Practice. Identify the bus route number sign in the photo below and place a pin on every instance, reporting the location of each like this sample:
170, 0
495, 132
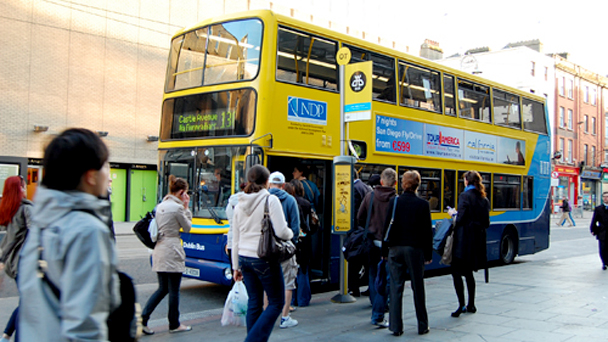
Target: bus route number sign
343, 56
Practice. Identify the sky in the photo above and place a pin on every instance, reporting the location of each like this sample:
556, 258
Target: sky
577, 27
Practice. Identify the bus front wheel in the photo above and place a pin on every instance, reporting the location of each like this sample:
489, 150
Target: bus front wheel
507, 247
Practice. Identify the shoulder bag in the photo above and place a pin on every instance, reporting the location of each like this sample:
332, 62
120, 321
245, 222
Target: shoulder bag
270, 247
357, 244
390, 225
314, 218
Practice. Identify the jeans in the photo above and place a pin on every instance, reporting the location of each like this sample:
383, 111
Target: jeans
567, 216
261, 276
13, 322
168, 283
303, 293
379, 302
400, 260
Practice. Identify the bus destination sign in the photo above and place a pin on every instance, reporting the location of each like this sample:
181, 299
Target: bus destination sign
199, 122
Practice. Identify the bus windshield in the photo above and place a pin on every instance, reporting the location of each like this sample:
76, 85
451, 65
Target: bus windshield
211, 172
219, 53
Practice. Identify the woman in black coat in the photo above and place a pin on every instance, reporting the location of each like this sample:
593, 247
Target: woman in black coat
469, 248
410, 247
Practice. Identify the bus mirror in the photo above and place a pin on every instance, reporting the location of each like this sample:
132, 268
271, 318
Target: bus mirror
357, 149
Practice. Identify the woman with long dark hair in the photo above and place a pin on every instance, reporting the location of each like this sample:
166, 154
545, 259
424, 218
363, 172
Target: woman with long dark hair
302, 294
15, 213
259, 275
169, 258
469, 246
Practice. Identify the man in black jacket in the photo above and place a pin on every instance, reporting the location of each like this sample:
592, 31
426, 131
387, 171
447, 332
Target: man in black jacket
599, 223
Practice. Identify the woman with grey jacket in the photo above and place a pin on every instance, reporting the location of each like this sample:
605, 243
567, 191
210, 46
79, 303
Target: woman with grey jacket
169, 258
69, 223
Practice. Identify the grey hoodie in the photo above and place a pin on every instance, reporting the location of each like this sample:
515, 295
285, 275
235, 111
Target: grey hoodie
82, 262
247, 224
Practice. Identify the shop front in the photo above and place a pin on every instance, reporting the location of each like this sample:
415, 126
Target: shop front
567, 186
591, 187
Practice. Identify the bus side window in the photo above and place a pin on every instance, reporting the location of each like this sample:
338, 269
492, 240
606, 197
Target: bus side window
383, 73
449, 181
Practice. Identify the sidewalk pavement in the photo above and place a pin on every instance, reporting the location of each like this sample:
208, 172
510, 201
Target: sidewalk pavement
535, 299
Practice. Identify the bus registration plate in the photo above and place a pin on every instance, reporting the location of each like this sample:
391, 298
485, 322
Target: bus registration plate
193, 272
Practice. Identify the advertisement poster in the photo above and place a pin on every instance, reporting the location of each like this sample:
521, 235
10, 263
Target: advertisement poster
342, 205
443, 142
358, 95
480, 147
398, 135
511, 151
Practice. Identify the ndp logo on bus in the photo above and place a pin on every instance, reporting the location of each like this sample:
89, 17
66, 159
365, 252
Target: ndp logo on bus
306, 111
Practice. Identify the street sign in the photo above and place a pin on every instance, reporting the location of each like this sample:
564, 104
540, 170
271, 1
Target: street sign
358, 92
554, 175
343, 56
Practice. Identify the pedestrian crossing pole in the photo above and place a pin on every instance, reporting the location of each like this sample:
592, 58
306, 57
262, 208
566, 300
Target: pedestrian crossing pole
342, 194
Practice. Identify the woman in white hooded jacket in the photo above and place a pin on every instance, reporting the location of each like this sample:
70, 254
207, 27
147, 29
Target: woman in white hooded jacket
259, 275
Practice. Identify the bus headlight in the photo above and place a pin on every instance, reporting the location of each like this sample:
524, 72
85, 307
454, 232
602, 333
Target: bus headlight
228, 273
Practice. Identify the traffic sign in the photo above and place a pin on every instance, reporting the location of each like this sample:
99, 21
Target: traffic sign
554, 175
343, 56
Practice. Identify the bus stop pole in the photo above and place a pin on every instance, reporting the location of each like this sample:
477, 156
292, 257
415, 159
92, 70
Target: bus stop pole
343, 296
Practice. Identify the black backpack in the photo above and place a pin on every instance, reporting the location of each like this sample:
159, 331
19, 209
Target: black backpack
358, 243
141, 230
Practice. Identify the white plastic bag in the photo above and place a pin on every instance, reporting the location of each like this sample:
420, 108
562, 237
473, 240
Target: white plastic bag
153, 230
235, 308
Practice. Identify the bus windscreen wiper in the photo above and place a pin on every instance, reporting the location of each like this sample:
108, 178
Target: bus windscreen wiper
214, 215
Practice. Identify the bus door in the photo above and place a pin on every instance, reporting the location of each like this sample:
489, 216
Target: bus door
324, 263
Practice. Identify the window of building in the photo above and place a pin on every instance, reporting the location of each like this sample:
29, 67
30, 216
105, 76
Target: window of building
528, 192
586, 95
474, 101
533, 68
506, 109
570, 89
586, 123
562, 85
586, 154
569, 159
306, 59
561, 149
570, 118
561, 116
533, 114
383, 73
593, 129
594, 96
448, 95
506, 192
546, 73
606, 130
419, 87
449, 184
593, 157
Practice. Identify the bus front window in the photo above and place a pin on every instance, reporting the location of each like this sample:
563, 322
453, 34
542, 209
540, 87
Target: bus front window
211, 172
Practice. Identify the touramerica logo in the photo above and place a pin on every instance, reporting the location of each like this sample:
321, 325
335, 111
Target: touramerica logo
442, 140
358, 81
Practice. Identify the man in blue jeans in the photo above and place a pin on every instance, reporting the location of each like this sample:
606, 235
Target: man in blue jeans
379, 205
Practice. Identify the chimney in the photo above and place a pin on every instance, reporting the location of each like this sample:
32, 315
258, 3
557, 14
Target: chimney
430, 50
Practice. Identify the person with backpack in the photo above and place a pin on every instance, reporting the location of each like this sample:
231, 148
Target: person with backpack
15, 217
302, 293
69, 243
566, 214
469, 244
379, 200
169, 257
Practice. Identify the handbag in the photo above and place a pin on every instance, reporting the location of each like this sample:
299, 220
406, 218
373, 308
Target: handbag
270, 247
357, 244
446, 257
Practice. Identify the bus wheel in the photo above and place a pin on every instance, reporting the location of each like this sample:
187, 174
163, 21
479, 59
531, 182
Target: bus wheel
507, 247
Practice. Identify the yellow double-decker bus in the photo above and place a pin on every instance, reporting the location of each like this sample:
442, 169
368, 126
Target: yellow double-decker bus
258, 87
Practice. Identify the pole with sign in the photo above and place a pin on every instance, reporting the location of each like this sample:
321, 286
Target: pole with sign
342, 177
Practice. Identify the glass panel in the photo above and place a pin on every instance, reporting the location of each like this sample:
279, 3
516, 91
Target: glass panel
506, 109
474, 101
383, 73
527, 192
419, 87
506, 191
316, 59
225, 113
449, 197
430, 185
534, 116
448, 95
209, 172
485, 180
221, 53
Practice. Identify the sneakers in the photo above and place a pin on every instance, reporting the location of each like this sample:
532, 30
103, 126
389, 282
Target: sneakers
181, 328
381, 324
288, 322
147, 331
